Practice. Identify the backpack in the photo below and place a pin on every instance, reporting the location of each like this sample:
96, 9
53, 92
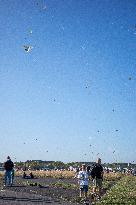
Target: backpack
97, 172
8, 165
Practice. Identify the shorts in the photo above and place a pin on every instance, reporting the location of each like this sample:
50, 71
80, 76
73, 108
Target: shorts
97, 183
84, 188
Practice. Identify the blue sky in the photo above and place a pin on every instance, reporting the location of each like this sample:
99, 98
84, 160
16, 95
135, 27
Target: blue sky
73, 96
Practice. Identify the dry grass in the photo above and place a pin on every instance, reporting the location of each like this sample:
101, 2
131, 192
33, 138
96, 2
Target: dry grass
52, 173
112, 176
66, 174
1, 174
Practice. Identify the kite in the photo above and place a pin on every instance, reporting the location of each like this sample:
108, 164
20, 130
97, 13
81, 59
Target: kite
28, 48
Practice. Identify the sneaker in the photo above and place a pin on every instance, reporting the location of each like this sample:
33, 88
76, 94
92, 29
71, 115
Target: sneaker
86, 202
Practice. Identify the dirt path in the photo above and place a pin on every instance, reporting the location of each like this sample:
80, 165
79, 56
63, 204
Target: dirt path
20, 194
22, 198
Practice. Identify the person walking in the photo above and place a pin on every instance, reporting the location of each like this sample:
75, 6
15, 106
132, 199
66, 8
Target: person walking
97, 176
9, 172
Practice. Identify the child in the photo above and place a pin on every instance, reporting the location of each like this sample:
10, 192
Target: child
83, 181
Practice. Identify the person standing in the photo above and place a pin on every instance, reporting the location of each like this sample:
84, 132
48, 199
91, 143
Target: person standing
97, 176
9, 172
83, 181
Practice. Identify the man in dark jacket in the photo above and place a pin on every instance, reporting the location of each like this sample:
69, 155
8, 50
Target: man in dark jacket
97, 176
8, 166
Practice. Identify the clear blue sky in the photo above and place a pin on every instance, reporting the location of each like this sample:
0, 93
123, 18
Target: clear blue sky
73, 97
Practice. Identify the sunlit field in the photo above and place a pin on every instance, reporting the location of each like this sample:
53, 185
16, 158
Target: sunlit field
65, 174
117, 188
124, 192
51, 173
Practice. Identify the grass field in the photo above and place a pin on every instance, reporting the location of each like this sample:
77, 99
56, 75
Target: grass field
72, 185
124, 192
50, 173
62, 185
